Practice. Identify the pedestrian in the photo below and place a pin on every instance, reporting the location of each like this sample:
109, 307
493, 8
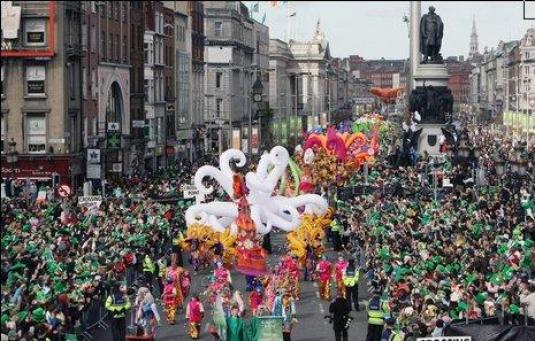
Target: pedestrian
337, 238
339, 315
117, 304
389, 333
377, 310
339, 269
148, 269
351, 281
235, 325
194, 315
324, 269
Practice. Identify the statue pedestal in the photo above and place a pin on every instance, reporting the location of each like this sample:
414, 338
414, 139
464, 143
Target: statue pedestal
430, 74
429, 138
432, 98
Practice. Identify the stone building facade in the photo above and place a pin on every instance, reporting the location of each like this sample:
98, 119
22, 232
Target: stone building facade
41, 93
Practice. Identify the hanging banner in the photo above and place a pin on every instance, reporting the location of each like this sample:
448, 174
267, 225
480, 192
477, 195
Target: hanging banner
445, 338
269, 328
255, 143
236, 138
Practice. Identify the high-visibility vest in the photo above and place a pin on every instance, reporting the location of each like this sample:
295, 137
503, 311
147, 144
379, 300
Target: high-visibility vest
335, 227
117, 304
351, 277
377, 311
148, 265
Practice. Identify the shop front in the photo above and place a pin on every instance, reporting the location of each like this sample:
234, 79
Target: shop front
44, 170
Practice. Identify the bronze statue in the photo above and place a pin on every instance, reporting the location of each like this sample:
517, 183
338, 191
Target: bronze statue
431, 32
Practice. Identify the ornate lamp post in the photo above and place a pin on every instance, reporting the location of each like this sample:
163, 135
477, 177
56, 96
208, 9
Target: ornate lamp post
258, 90
12, 158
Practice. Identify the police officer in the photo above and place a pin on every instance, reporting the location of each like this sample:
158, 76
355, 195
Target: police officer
339, 314
148, 269
117, 304
377, 310
351, 283
390, 333
337, 239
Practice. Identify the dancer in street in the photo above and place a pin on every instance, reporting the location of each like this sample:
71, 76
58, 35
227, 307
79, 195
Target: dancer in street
324, 270
194, 316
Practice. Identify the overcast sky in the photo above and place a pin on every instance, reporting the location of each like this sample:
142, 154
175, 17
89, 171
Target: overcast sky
375, 29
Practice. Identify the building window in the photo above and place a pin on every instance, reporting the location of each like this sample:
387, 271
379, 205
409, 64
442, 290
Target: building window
110, 47
84, 36
117, 47
124, 12
527, 70
102, 11
34, 32
84, 82
218, 28
125, 53
110, 9
218, 76
2, 84
93, 6
35, 80
4, 133
218, 107
72, 81
103, 46
36, 133
93, 41
94, 88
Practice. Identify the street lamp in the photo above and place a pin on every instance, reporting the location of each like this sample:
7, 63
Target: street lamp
258, 90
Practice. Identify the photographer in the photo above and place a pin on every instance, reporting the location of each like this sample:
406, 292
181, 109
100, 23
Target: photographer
339, 310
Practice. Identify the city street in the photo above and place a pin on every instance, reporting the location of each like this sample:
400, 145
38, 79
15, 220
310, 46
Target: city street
135, 132
310, 309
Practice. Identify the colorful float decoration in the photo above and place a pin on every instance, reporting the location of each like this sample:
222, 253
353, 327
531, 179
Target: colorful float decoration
255, 208
335, 156
387, 95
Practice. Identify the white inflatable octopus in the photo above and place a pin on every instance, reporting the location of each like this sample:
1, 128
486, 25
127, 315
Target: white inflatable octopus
267, 209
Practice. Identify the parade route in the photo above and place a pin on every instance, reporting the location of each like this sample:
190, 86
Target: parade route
312, 325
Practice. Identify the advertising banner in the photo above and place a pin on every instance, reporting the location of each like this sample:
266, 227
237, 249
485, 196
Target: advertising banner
255, 142
236, 138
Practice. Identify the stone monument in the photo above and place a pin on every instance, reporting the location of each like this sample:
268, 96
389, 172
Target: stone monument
430, 94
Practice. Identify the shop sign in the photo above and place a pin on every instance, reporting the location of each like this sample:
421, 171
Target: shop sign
93, 171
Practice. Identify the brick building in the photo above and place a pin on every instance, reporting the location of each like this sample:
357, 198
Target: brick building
41, 93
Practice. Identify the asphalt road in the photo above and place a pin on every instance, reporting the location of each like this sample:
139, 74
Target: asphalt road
310, 309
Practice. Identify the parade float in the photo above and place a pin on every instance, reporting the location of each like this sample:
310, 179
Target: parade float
329, 158
254, 209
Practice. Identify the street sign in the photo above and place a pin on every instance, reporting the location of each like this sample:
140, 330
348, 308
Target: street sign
64, 191
113, 140
138, 124
93, 155
190, 191
117, 167
445, 338
113, 126
93, 171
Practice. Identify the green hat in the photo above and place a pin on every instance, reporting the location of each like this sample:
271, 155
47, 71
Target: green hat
4, 319
38, 315
22, 315
514, 309
481, 297
462, 306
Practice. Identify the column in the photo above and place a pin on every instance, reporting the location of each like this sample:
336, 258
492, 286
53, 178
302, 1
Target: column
416, 8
